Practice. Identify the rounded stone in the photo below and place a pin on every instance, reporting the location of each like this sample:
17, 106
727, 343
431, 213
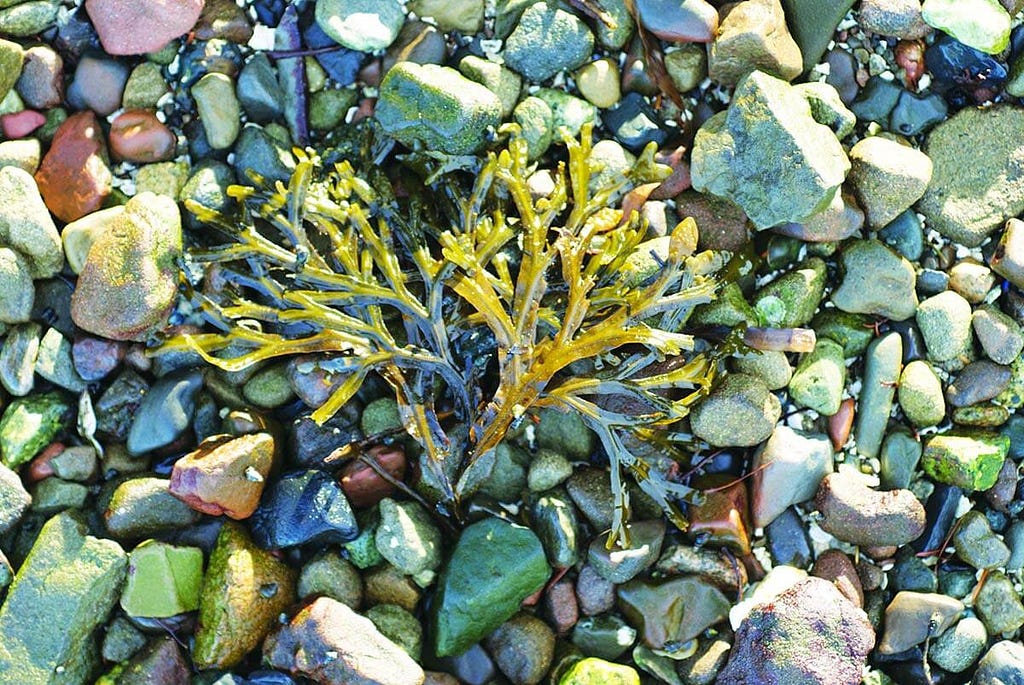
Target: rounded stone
362, 25
920, 394
739, 412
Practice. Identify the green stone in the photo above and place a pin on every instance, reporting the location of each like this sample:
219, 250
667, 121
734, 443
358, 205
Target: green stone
53, 494
407, 537
565, 432
28, 18
812, 23
882, 366
670, 612
329, 575
60, 596
730, 308
269, 387
977, 545
798, 291
971, 462
771, 366
945, 324
162, 178
547, 40
362, 551
853, 331
12, 56
536, 125
436, 107
548, 469
599, 672
899, 458
140, 507
493, 568
998, 604
980, 416
827, 108
328, 108
244, 591
876, 281
399, 626
218, 108
819, 378
163, 580
920, 394
501, 81
553, 518
739, 412
1013, 397
606, 636
29, 424
508, 475
980, 24
145, 87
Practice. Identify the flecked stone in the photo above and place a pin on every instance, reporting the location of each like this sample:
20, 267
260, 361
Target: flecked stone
898, 18
888, 177
73, 177
808, 633
815, 163
1008, 258
129, 282
1000, 336
619, 565
28, 18
18, 358
331, 575
14, 499
920, 394
791, 300
244, 591
554, 520
399, 626
977, 545
408, 538
1001, 665
687, 66
739, 412
134, 27
362, 25
771, 366
25, 224
24, 154
753, 35
945, 324
855, 513
143, 506
960, 646
787, 468
29, 424
461, 111
60, 596
145, 87
594, 671
912, 617
977, 382
16, 292
819, 378
98, 84
224, 475
546, 41
12, 58
967, 207
998, 604
877, 281
41, 84
971, 280
219, 109
523, 649
971, 462
828, 108
466, 16
500, 80
494, 566
331, 643
882, 367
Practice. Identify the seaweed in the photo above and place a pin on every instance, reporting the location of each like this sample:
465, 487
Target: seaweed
476, 302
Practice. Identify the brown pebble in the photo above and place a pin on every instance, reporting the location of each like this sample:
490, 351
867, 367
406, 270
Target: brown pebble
361, 483
834, 566
560, 606
73, 177
860, 515
40, 467
138, 136
840, 423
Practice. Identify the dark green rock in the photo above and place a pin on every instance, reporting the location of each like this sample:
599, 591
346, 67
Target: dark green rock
876, 100
798, 294
914, 114
606, 636
998, 604
977, 545
144, 506
852, 331
493, 568
812, 23
61, 594
619, 565
553, 518
669, 613
546, 41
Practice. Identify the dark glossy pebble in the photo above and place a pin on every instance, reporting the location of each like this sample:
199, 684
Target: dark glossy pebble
913, 343
911, 573
312, 444
75, 34
904, 235
915, 114
303, 507
210, 56
341, 64
788, 543
876, 100
997, 520
932, 282
940, 512
634, 123
953, 64
474, 666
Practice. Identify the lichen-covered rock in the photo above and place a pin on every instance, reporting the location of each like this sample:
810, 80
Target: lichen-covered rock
129, 282
765, 141
808, 634
739, 412
436, 107
26, 225
61, 594
970, 462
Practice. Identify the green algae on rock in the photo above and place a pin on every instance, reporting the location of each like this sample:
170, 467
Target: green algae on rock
495, 566
29, 424
970, 461
60, 596
163, 580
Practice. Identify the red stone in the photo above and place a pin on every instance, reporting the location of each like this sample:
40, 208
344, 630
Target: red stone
224, 475
723, 514
837, 568
363, 486
73, 177
20, 124
134, 27
138, 136
94, 357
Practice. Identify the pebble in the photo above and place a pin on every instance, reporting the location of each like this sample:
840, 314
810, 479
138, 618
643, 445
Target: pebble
363, 486
523, 649
915, 114
739, 412
971, 280
945, 324
787, 468
791, 300
905, 235
144, 506
73, 177
635, 124
618, 565
1000, 336
958, 648
134, 27
224, 475
594, 594
855, 513
1008, 258
560, 606
607, 636
669, 613
163, 580
466, 16
98, 84
41, 83
165, 412
920, 394
836, 567
310, 645
408, 538
998, 604
593, 671
882, 368
331, 575
876, 281
971, 462
16, 293
553, 518
546, 41
598, 82
218, 108
501, 81
54, 362
977, 545
1002, 664
18, 358
788, 542
14, 499
688, 21
771, 366
819, 378
244, 591
24, 154
361, 25
897, 18
981, 24
29, 424
838, 639
687, 66
27, 228
72, 579
775, 123
940, 512
888, 177
753, 35
913, 617
303, 507
969, 207
399, 626
12, 60
460, 111
28, 18
138, 136
979, 381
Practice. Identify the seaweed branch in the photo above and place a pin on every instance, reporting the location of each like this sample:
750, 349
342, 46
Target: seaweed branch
544, 290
